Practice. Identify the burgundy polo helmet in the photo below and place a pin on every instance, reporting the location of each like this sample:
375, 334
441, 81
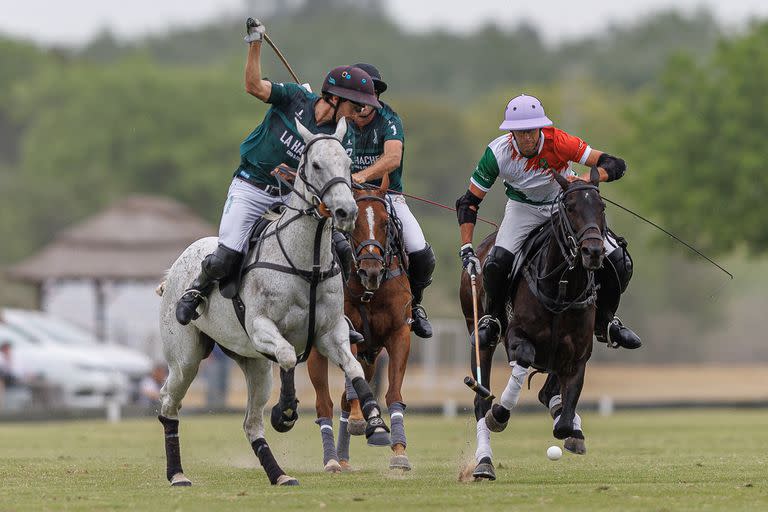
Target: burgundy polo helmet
351, 83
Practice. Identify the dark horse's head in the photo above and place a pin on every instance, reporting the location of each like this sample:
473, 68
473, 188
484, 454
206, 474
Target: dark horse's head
582, 219
370, 236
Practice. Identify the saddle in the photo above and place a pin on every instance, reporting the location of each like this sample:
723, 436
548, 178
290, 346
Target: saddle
229, 286
535, 241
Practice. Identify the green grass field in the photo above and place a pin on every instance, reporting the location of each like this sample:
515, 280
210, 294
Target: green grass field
691, 460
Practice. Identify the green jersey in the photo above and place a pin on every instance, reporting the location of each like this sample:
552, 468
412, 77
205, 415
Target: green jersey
369, 144
276, 140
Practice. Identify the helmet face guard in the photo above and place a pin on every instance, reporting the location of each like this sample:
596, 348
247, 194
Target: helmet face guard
524, 113
353, 84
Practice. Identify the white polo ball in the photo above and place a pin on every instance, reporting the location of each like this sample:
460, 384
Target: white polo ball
554, 453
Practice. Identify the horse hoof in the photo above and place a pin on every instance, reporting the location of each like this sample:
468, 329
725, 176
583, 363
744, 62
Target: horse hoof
332, 466
484, 470
286, 480
493, 424
346, 467
356, 427
283, 420
380, 437
400, 462
575, 445
179, 480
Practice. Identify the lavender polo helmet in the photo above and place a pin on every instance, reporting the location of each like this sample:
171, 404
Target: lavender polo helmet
351, 83
524, 113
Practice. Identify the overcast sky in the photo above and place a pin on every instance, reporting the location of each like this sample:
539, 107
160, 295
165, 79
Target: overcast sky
76, 21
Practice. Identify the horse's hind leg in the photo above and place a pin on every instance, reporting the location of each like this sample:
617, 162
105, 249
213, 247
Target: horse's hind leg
184, 348
317, 367
258, 379
335, 346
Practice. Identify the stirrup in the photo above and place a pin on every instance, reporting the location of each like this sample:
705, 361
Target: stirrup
616, 321
486, 322
419, 311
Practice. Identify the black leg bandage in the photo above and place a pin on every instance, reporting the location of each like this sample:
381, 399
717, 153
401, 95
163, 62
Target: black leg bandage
172, 447
267, 460
364, 394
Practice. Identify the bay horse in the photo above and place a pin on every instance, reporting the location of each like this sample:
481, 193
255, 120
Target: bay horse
293, 295
552, 318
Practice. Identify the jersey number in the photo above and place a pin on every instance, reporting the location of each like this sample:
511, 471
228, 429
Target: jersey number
394, 129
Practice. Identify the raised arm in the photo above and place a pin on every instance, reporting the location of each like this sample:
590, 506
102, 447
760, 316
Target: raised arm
254, 84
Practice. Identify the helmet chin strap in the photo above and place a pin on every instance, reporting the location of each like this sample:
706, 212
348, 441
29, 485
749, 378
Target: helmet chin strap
535, 146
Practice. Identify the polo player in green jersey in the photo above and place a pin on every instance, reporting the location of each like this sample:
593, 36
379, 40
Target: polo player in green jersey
275, 142
378, 152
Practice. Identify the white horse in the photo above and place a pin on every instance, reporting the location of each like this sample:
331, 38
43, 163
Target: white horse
277, 300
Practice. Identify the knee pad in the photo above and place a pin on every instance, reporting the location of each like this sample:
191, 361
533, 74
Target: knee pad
421, 265
222, 262
498, 265
622, 263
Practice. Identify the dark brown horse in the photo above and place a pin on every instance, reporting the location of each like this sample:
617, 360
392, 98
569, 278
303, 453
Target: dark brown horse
552, 318
377, 301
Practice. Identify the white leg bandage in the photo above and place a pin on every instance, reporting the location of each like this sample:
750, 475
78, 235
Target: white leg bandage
483, 441
555, 401
576, 421
511, 393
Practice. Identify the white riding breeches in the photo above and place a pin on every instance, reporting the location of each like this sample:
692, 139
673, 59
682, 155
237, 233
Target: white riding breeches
245, 204
522, 218
413, 236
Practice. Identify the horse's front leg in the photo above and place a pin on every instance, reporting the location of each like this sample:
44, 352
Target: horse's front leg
335, 346
398, 348
568, 424
267, 339
285, 412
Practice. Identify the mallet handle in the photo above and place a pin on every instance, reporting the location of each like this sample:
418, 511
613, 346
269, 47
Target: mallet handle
280, 56
473, 279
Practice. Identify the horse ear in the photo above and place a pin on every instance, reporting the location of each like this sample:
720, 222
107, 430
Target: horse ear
594, 176
560, 179
305, 134
341, 129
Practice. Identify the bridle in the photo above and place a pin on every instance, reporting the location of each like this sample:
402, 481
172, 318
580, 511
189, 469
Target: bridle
567, 238
316, 200
568, 241
383, 253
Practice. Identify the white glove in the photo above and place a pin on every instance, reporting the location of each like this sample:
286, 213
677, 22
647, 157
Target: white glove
255, 30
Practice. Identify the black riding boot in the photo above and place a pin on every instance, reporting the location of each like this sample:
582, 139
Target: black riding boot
421, 264
344, 251
496, 270
345, 254
214, 267
613, 279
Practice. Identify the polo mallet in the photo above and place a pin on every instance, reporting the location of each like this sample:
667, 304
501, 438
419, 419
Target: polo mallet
250, 22
475, 385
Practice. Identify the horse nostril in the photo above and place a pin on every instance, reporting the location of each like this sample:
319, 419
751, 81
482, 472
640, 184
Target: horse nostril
341, 213
361, 273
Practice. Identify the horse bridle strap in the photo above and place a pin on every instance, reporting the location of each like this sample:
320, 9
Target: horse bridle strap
313, 277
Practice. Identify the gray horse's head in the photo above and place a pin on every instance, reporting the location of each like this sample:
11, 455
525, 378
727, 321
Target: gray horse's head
325, 160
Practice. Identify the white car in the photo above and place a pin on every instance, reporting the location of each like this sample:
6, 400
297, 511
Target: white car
119, 360
72, 379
